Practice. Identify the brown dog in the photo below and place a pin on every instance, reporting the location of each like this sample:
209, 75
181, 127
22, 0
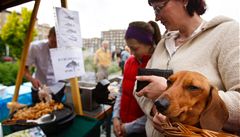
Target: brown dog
190, 99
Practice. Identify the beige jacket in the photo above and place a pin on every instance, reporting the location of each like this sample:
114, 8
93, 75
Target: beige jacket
213, 52
102, 58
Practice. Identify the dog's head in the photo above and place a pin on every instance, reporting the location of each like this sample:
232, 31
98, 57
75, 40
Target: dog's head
190, 99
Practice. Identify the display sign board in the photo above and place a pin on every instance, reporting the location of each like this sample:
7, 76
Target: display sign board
67, 58
67, 28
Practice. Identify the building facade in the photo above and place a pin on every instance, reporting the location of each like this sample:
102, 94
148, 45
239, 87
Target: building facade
3, 17
91, 44
115, 37
42, 30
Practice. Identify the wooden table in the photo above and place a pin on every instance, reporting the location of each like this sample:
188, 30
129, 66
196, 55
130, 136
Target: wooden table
105, 110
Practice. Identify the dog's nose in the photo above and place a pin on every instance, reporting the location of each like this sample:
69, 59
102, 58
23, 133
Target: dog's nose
162, 104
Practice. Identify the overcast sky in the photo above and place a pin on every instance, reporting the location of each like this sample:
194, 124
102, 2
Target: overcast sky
102, 15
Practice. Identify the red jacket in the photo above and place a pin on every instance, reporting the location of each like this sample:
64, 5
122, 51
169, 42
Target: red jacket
129, 108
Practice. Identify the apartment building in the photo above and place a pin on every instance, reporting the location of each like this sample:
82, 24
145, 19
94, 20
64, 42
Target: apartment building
115, 37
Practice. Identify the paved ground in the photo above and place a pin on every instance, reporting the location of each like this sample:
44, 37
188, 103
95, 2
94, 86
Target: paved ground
103, 133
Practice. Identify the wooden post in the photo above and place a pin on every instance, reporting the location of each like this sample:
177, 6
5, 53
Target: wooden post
74, 84
25, 50
64, 3
76, 96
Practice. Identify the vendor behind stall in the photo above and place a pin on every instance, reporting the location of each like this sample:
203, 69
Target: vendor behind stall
39, 57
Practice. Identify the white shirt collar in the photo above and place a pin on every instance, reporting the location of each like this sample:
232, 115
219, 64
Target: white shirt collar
170, 37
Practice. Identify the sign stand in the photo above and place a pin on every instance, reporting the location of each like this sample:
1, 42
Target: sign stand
74, 84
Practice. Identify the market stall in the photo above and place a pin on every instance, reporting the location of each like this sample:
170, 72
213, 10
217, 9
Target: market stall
74, 85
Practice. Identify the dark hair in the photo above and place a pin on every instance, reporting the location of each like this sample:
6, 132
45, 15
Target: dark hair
151, 27
156, 33
198, 6
51, 31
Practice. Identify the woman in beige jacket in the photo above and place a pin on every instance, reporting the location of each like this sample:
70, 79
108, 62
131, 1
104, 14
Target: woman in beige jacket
211, 48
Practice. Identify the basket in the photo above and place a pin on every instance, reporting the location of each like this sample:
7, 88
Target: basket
177, 129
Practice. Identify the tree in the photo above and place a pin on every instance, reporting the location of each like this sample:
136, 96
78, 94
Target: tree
14, 31
2, 48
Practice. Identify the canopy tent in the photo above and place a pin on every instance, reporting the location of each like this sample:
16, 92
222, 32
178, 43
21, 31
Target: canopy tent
11, 3
73, 81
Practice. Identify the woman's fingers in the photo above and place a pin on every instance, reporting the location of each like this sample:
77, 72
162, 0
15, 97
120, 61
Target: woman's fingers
144, 78
117, 127
154, 89
158, 120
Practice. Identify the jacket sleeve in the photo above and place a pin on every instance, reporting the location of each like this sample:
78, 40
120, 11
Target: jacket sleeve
31, 56
229, 69
146, 104
116, 108
136, 126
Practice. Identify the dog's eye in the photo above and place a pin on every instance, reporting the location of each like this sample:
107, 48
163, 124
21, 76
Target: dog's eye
169, 83
193, 88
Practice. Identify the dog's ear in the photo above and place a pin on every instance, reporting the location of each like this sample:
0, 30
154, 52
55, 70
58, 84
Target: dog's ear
215, 114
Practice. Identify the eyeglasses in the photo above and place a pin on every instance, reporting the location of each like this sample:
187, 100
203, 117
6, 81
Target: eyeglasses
160, 6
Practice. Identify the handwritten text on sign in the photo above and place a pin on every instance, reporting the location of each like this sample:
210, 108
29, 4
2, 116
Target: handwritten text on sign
67, 66
68, 28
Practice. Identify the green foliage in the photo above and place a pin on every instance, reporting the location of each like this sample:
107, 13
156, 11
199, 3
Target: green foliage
89, 66
114, 68
8, 73
2, 48
14, 31
84, 49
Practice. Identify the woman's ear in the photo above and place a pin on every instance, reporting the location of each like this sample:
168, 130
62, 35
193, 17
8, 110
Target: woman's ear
185, 3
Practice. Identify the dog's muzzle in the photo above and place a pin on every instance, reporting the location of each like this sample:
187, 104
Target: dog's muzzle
162, 104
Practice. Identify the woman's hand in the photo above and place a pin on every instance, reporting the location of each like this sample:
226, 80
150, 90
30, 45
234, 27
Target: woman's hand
154, 89
158, 119
123, 130
117, 127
